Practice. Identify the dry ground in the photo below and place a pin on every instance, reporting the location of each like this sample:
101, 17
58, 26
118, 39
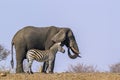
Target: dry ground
62, 76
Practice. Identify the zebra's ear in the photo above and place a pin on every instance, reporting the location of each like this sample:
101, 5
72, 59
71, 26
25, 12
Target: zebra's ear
60, 36
59, 43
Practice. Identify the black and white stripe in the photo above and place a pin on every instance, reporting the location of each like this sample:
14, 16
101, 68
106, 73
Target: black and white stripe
43, 55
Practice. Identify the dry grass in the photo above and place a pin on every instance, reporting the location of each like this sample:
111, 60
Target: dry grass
63, 76
115, 68
82, 68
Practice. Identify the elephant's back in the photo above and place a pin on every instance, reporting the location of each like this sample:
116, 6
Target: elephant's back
38, 30
32, 32
35, 27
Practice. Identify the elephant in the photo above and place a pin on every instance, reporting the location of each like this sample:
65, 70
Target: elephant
31, 37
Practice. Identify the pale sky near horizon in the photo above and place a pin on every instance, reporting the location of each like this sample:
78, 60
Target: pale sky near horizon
95, 24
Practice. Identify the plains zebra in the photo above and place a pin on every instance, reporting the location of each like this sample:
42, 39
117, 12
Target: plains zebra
43, 55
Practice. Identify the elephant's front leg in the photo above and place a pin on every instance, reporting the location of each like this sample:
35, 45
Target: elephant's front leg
52, 65
45, 67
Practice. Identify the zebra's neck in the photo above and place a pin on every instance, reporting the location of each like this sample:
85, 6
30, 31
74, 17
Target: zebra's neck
54, 50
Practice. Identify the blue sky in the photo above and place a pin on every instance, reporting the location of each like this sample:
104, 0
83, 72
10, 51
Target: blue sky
95, 24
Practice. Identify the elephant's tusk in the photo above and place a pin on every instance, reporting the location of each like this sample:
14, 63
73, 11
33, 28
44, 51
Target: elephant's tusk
75, 51
79, 56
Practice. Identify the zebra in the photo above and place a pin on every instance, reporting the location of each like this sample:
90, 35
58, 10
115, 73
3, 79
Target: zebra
43, 55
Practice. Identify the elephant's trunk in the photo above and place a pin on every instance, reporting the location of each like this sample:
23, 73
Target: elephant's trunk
74, 51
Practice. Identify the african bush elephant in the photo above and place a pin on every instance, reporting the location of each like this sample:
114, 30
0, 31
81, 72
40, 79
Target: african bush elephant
41, 38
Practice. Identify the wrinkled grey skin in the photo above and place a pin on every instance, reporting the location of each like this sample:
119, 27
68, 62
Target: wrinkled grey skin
42, 38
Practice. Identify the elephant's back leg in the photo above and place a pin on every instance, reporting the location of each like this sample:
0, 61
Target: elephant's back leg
20, 56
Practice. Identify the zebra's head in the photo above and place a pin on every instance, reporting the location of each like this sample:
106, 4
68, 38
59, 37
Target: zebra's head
58, 47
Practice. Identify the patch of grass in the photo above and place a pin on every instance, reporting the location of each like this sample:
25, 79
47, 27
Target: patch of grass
63, 76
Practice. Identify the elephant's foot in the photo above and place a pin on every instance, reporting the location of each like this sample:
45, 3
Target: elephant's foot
31, 72
43, 71
18, 70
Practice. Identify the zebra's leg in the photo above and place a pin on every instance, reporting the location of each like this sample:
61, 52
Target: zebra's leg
45, 67
29, 66
49, 66
52, 65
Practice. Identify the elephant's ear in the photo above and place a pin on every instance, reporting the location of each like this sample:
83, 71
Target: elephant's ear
60, 36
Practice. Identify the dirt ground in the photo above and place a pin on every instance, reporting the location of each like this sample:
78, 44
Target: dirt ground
62, 76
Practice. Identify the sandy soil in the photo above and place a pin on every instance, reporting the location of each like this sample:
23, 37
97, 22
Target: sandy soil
62, 76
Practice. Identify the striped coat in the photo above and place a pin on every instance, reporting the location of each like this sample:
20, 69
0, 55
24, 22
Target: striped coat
43, 55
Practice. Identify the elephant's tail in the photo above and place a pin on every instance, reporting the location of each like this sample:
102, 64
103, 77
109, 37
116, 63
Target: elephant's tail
12, 62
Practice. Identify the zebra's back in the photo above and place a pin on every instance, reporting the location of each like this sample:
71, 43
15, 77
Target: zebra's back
38, 55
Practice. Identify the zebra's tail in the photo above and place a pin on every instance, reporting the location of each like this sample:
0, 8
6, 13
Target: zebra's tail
12, 62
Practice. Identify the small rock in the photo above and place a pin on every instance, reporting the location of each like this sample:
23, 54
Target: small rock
3, 74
